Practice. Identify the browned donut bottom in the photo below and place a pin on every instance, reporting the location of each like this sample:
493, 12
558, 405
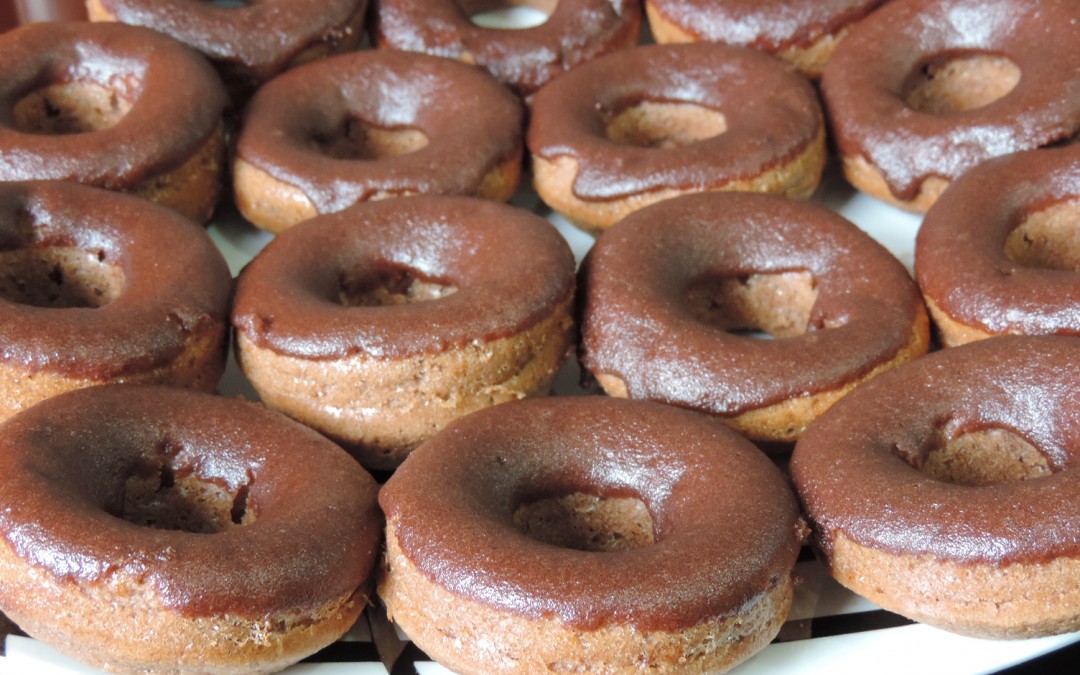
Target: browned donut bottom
152, 529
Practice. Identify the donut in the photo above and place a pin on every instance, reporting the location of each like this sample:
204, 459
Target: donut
380, 324
153, 529
802, 32
371, 125
1000, 251
113, 106
576, 534
249, 42
100, 287
924, 90
946, 490
654, 122
665, 310
522, 59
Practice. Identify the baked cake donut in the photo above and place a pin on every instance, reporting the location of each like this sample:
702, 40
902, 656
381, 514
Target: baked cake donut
113, 106
1000, 251
588, 534
654, 122
380, 324
924, 90
371, 125
664, 309
802, 32
522, 59
100, 287
157, 530
250, 41
947, 491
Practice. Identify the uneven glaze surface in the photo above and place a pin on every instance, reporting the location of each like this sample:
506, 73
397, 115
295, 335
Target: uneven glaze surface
509, 266
525, 59
260, 38
471, 123
637, 325
960, 254
772, 116
864, 85
176, 102
63, 467
849, 471
771, 25
725, 522
176, 283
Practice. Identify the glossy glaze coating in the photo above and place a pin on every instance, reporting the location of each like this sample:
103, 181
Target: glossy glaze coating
524, 59
724, 520
852, 480
510, 268
638, 326
960, 253
472, 125
258, 39
864, 85
175, 282
177, 102
771, 113
63, 467
770, 25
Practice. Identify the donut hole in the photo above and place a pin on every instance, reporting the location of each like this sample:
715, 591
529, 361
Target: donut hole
508, 14
390, 285
773, 305
585, 522
1048, 239
983, 457
951, 83
358, 139
69, 108
58, 277
665, 125
168, 499
230, 4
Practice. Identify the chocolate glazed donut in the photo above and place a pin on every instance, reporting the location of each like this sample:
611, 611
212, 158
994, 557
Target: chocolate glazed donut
570, 534
924, 90
113, 106
667, 292
1000, 252
152, 529
948, 489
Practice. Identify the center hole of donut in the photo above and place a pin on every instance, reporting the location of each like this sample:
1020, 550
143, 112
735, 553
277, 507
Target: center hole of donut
358, 139
508, 14
759, 305
167, 500
586, 522
58, 277
390, 285
229, 4
949, 83
659, 124
69, 108
984, 457
1048, 239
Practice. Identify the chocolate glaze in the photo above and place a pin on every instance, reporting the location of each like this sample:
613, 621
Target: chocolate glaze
472, 124
726, 525
576, 31
177, 102
863, 85
63, 467
960, 259
769, 25
510, 267
772, 116
176, 283
636, 324
257, 40
852, 480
